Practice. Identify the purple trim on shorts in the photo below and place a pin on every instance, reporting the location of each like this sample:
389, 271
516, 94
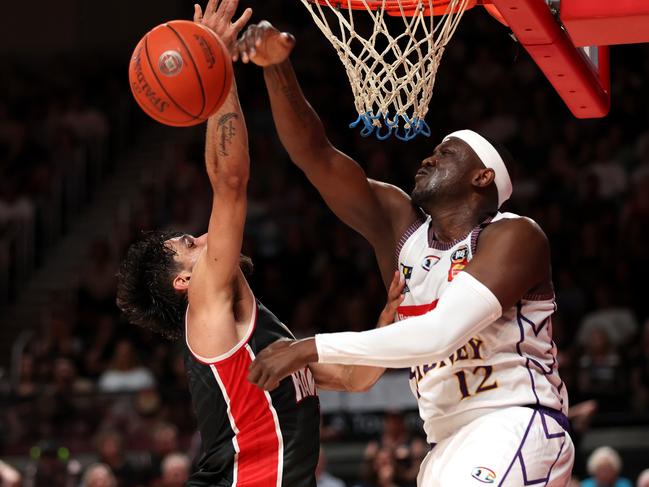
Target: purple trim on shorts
518, 451
406, 235
563, 443
560, 418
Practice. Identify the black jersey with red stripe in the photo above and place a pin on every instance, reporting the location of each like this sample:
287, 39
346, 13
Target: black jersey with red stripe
250, 437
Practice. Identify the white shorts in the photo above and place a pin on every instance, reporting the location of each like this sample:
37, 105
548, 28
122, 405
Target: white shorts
514, 447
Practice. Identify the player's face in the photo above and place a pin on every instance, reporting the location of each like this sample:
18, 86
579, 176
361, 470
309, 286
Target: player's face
188, 248
444, 172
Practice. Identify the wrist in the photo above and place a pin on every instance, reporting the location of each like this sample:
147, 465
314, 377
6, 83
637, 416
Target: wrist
307, 349
278, 64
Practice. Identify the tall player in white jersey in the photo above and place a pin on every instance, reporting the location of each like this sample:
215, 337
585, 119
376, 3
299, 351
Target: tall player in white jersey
475, 325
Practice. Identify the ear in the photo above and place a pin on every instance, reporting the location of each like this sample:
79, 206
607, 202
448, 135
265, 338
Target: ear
181, 281
483, 177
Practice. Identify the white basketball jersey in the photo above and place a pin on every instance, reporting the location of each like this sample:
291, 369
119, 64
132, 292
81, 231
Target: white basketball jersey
512, 362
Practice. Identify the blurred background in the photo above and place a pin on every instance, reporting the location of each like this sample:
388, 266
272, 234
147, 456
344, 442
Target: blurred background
87, 398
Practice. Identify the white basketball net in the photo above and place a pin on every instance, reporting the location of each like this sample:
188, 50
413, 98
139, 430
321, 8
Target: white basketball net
392, 74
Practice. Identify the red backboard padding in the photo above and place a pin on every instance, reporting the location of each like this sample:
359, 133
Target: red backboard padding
582, 87
602, 23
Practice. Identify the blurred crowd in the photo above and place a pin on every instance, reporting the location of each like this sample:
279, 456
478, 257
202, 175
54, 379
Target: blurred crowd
97, 402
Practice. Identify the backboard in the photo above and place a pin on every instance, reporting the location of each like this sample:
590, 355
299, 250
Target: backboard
569, 40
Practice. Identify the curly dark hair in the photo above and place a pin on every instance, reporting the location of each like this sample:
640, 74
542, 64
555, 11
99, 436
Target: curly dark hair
145, 291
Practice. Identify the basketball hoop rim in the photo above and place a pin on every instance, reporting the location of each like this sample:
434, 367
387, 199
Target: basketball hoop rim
407, 8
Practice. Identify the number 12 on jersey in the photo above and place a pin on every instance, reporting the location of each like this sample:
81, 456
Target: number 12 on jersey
482, 371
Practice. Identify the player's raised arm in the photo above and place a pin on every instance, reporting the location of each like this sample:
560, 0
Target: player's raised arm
227, 163
378, 211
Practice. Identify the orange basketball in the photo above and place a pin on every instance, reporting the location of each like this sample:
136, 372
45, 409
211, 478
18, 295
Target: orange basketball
180, 73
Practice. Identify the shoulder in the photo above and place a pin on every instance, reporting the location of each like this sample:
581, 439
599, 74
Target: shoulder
515, 231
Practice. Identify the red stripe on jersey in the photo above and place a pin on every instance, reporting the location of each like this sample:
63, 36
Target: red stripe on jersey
416, 309
258, 462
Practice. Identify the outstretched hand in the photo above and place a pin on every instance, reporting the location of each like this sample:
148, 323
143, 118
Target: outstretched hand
218, 17
282, 358
263, 45
279, 360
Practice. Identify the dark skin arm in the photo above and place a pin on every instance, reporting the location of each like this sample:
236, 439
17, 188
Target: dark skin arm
512, 260
378, 211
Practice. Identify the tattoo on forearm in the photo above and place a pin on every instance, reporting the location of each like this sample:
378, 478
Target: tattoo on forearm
226, 132
280, 83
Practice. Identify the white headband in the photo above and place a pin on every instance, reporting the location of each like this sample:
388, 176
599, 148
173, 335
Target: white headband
490, 157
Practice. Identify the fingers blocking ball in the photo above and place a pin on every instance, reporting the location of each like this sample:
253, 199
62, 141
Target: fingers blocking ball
180, 73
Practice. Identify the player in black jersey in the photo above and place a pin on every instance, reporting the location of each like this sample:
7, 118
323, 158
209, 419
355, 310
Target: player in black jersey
195, 287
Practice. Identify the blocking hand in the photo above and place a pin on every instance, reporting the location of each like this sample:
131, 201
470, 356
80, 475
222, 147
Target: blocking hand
279, 360
218, 17
263, 45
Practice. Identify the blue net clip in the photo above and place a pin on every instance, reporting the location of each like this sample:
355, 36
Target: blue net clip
390, 126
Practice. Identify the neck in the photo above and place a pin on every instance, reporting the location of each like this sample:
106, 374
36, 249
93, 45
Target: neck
451, 222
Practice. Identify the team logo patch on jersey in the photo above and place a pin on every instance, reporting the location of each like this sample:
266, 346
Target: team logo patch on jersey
459, 260
429, 261
406, 270
484, 475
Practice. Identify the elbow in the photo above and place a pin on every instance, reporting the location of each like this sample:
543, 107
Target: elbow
313, 153
236, 182
233, 178
313, 144
360, 384
359, 387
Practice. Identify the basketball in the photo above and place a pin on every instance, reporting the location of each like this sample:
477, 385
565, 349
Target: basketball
180, 73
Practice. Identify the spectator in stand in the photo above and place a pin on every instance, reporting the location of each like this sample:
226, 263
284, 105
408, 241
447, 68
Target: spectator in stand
164, 442
98, 281
124, 373
48, 470
604, 467
65, 402
643, 479
322, 475
640, 372
379, 467
601, 374
403, 448
27, 387
9, 476
617, 320
395, 433
98, 475
175, 470
110, 451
